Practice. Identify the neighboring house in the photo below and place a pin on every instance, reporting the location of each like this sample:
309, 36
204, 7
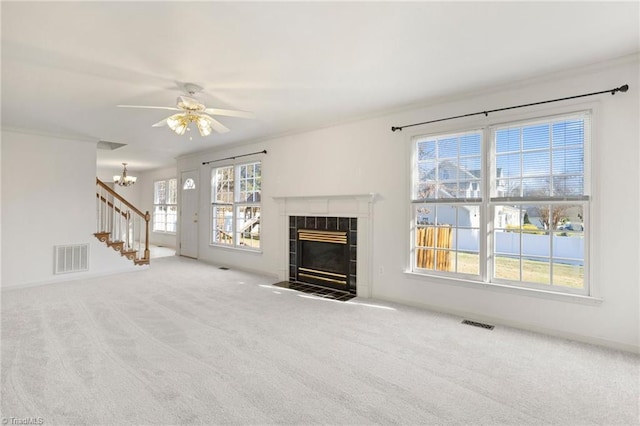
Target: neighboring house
451, 180
507, 217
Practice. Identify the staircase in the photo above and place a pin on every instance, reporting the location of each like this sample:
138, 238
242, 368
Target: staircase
121, 226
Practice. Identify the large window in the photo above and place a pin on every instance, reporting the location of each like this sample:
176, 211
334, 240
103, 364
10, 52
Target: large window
505, 204
235, 205
447, 196
165, 209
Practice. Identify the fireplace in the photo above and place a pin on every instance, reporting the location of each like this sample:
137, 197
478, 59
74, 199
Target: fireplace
344, 212
323, 251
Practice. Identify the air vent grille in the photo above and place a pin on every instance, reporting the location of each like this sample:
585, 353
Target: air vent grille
71, 258
478, 324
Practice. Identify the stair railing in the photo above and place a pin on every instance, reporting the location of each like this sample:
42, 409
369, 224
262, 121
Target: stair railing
121, 225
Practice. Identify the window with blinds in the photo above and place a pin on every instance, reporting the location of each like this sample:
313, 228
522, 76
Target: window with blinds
505, 204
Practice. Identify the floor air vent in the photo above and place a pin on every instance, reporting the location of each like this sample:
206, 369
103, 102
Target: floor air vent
71, 258
478, 324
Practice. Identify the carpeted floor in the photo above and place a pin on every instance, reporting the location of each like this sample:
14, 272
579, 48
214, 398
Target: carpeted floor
187, 343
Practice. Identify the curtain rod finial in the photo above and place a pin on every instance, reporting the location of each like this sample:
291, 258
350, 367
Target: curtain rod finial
622, 89
394, 128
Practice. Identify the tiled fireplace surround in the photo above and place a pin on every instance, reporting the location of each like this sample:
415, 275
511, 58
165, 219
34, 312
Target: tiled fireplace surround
349, 225
337, 207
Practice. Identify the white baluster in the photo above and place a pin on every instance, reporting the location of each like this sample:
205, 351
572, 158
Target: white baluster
140, 250
112, 218
129, 230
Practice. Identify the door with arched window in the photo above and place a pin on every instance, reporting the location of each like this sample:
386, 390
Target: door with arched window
189, 188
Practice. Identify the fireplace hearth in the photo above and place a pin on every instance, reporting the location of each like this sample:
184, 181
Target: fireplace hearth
322, 251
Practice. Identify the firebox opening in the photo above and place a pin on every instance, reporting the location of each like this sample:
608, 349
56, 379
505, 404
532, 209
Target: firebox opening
329, 257
323, 252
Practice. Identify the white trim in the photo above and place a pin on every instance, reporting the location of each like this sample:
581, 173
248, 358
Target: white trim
505, 287
519, 325
236, 248
238, 268
67, 279
359, 206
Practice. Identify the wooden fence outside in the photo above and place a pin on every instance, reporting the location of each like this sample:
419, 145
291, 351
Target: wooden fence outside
430, 238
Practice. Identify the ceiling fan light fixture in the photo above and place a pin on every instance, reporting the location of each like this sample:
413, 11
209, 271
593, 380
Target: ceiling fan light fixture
178, 123
191, 110
204, 125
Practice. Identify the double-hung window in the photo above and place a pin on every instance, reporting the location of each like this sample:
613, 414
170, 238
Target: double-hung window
447, 202
165, 207
507, 204
235, 205
539, 202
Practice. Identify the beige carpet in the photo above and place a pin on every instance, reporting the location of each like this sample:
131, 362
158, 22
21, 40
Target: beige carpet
186, 343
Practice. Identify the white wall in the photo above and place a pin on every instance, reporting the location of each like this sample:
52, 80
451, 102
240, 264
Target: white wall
145, 186
49, 199
365, 156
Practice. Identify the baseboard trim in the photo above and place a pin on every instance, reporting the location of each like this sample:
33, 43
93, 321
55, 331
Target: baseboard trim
610, 344
67, 278
240, 268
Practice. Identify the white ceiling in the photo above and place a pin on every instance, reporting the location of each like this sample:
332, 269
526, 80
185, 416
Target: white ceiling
297, 66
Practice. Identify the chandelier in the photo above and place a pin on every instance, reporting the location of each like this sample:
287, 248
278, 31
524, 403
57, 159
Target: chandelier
124, 180
179, 123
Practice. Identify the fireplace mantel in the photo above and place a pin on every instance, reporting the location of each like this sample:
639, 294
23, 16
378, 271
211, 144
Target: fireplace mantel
359, 206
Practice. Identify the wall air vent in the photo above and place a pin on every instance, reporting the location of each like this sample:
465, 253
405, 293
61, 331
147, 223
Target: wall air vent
478, 324
71, 258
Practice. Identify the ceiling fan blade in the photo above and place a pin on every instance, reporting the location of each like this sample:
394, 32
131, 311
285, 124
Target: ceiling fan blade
149, 107
229, 113
216, 125
161, 123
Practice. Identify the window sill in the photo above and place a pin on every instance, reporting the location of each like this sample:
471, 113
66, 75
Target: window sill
505, 288
232, 248
164, 232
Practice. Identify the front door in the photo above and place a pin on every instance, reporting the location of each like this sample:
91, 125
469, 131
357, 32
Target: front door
189, 213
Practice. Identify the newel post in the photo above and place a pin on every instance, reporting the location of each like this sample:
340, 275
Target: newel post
147, 218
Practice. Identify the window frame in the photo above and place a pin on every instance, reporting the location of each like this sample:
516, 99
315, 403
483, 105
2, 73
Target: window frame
444, 202
166, 205
488, 201
234, 206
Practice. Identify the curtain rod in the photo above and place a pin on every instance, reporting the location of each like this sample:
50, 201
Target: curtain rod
623, 89
264, 151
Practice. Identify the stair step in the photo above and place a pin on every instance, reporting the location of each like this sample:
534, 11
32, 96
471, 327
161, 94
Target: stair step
129, 254
116, 245
141, 261
102, 236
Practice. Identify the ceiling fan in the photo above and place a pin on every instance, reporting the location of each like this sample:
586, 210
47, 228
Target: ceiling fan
193, 111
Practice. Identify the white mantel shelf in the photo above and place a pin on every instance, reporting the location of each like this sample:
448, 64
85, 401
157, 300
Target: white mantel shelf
359, 206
